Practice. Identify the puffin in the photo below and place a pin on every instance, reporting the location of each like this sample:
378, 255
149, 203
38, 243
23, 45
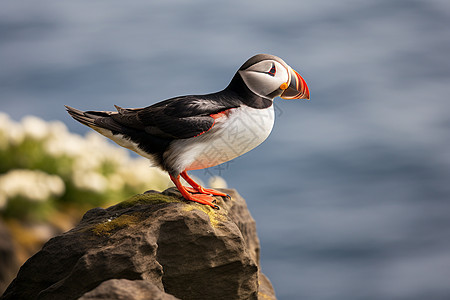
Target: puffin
200, 131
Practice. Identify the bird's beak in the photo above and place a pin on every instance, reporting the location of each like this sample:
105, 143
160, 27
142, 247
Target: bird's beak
297, 88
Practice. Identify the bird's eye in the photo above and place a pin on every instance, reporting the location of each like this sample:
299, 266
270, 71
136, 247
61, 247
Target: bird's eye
272, 71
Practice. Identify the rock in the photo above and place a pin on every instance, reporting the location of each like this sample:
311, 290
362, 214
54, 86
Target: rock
8, 259
150, 241
124, 289
265, 290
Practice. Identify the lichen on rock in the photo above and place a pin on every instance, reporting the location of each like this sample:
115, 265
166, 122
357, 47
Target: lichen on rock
215, 217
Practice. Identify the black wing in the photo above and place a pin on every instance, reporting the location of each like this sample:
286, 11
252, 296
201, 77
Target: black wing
176, 118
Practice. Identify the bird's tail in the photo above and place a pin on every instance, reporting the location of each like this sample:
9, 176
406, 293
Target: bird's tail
87, 118
80, 116
97, 120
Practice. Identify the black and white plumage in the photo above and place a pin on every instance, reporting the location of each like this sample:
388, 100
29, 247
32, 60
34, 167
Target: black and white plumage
200, 131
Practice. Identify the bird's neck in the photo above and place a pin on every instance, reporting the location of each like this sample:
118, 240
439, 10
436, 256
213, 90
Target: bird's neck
238, 87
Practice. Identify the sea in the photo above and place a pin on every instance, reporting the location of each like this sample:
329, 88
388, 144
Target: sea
350, 192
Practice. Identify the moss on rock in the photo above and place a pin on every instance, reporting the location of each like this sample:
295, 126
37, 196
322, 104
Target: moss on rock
150, 198
110, 225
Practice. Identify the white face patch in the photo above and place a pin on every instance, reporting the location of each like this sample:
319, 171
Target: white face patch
265, 77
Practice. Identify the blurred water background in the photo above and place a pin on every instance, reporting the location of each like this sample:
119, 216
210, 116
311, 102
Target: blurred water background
351, 192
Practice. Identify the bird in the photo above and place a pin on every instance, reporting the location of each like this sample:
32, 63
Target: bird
194, 132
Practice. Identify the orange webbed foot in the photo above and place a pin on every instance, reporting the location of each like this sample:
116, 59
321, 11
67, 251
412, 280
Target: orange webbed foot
202, 190
199, 198
197, 188
203, 199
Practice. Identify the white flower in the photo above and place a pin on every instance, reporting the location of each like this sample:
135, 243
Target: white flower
10, 132
31, 184
64, 145
16, 134
57, 128
35, 128
217, 182
137, 173
86, 162
115, 182
55, 185
90, 180
60, 142
4, 129
4, 120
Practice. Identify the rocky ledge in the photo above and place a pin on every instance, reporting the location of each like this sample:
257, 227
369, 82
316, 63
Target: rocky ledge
151, 246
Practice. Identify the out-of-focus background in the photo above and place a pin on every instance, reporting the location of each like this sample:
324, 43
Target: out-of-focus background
351, 192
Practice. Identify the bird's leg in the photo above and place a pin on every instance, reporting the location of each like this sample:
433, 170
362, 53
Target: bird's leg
197, 188
200, 198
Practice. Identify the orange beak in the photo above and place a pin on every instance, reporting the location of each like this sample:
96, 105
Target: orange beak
297, 88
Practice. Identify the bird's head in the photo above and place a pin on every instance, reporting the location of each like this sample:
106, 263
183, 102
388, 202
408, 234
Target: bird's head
269, 76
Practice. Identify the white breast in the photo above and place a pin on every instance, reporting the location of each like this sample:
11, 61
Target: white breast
233, 135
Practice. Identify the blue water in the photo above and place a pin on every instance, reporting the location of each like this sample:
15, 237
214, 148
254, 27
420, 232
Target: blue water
351, 192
